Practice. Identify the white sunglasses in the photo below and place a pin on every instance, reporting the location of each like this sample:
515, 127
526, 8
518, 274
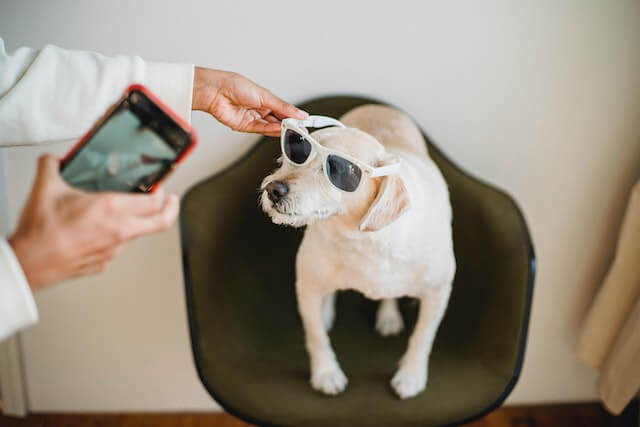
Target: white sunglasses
343, 171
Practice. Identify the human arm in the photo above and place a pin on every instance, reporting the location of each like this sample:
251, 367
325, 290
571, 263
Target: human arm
55, 94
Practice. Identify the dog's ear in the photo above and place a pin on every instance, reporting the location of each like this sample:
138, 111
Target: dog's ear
391, 201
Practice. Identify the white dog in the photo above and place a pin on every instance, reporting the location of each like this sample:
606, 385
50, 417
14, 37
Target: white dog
390, 238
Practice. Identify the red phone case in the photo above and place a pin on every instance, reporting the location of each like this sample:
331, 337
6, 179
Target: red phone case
164, 107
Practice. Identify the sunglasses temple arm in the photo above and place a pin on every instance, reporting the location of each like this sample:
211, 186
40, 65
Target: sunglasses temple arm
320, 121
385, 170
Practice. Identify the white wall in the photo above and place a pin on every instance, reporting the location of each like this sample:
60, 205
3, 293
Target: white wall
541, 98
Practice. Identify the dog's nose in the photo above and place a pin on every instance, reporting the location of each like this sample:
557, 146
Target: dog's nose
277, 190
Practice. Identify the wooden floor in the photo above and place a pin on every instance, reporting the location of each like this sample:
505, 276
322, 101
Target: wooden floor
589, 415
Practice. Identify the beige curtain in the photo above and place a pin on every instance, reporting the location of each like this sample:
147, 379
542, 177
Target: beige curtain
610, 337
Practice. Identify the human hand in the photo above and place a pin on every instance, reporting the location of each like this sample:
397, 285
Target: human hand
64, 232
240, 103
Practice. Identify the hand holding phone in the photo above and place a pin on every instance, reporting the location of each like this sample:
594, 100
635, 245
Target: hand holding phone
64, 233
133, 148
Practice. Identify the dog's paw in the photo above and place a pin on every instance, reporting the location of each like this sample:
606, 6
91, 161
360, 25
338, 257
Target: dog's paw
389, 322
409, 382
330, 382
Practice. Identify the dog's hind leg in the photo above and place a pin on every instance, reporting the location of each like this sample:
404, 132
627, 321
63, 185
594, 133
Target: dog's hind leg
411, 377
326, 375
329, 310
389, 320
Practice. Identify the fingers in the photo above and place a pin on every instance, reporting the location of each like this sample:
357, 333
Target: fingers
267, 115
126, 204
127, 228
136, 226
138, 214
94, 262
260, 121
263, 127
281, 108
99, 257
272, 119
88, 269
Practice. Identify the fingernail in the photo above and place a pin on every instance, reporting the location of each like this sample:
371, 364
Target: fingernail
303, 113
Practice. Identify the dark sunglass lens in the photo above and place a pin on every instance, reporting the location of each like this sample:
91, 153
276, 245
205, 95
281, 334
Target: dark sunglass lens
342, 173
296, 148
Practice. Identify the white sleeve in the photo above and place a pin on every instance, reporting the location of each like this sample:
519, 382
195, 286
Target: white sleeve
55, 94
17, 307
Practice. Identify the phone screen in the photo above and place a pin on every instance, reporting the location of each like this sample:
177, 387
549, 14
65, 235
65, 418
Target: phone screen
130, 151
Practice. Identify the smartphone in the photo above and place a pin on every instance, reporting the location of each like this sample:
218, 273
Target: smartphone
132, 148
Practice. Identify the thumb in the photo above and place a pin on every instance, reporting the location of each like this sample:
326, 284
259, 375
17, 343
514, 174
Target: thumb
43, 186
48, 165
48, 172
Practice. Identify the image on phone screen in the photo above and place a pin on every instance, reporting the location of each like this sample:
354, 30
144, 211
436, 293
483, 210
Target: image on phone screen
123, 153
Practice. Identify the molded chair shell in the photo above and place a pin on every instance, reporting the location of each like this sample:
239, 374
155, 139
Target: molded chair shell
247, 337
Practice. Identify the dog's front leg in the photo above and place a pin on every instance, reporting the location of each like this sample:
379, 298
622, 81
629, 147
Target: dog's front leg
326, 375
411, 377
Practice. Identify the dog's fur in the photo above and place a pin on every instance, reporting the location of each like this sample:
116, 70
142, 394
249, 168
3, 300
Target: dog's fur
389, 239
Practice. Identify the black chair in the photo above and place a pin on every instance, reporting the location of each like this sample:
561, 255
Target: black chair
247, 337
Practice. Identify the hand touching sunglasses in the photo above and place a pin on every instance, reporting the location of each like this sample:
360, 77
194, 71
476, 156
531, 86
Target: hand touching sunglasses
343, 171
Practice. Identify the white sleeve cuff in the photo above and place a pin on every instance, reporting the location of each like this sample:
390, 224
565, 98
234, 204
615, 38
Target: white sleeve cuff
17, 306
173, 84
